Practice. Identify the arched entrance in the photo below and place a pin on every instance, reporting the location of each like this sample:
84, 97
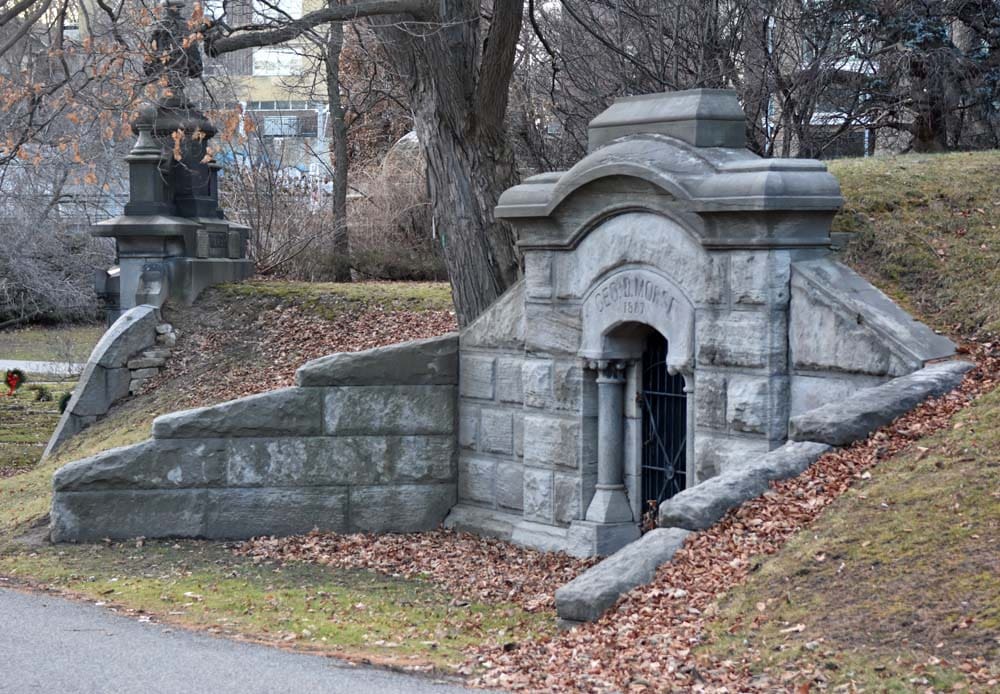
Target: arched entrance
662, 402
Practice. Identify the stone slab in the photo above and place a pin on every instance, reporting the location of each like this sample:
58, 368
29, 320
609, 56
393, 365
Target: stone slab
592, 593
702, 505
390, 410
433, 361
284, 412
340, 460
134, 331
168, 464
400, 508
853, 418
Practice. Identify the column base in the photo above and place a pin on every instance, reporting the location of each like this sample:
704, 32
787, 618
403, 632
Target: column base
600, 539
609, 505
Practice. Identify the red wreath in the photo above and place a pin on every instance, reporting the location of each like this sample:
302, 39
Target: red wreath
15, 377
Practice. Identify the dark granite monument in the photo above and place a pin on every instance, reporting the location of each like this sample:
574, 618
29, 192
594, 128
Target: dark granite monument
172, 241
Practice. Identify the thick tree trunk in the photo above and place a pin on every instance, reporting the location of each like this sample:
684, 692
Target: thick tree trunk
458, 90
458, 112
338, 135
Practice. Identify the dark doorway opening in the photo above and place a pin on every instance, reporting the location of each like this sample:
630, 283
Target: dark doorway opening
664, 426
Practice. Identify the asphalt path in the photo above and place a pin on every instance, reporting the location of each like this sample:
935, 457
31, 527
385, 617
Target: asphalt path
48, 644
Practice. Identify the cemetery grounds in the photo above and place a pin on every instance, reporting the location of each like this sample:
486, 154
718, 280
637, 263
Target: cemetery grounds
878, 571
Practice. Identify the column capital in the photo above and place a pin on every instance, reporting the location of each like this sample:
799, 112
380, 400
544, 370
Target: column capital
608, 370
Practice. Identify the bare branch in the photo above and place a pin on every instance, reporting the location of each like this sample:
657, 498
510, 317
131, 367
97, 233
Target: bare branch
253, 36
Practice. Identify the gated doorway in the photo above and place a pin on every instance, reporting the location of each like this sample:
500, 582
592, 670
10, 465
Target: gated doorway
664, 426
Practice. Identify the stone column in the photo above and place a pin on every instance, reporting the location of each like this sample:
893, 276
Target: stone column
610, 503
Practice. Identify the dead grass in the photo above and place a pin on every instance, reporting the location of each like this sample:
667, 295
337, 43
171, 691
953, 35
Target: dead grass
927, 234
62, 344
897, 582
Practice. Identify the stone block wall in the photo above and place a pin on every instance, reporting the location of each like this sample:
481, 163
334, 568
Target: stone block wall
364, 442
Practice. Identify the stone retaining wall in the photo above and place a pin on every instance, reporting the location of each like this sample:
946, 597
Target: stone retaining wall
117, 366
363, 442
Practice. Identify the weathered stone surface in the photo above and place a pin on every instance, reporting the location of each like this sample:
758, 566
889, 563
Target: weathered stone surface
390, 410
510, 485
509, 380
346, 460
133, 332
568, 498
168, 464
853, 418
538, 274
477, 479
716, 454
468, 426
476, 377
145, 363
702, 505
551, 329
710, 401
98, 388
536, 380
284, 412
487, 522
811, 391
400, 508
501, 326
95, 515
244, 513
841, 322
592, 593
433, 361
551, 441
760, 278
496, 432
538, 494
740, 338
746, 404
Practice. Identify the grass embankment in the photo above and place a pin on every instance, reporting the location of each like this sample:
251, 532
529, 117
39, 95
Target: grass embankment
253, 336
897, 586
927, 234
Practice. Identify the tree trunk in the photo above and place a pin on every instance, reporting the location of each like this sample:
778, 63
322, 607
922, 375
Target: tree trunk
469, 161
339, 163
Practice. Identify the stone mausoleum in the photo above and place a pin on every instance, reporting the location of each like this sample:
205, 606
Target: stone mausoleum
680, 302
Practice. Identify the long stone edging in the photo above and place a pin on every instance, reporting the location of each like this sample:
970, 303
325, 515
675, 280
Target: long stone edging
106, 377
853, 418
812, 434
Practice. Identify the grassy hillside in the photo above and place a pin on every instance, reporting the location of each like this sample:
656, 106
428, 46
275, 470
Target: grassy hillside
927, 233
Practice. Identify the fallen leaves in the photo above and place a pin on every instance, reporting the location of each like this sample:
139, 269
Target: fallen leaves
470, 567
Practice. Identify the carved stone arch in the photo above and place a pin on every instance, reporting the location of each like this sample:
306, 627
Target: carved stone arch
624, 300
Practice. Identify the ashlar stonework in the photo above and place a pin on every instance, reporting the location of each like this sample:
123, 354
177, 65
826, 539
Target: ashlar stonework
680, 313
680, 304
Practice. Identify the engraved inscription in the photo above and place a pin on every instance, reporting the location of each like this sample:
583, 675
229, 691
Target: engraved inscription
634, 295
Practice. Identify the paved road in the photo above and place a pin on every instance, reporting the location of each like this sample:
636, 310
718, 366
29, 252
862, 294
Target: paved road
53, 645
47, 368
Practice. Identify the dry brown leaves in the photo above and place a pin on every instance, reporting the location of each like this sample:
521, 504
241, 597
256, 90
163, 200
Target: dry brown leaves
470, 567
280, 340
646, 642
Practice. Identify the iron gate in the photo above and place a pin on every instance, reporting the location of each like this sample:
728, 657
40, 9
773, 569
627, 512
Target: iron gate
664, 426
